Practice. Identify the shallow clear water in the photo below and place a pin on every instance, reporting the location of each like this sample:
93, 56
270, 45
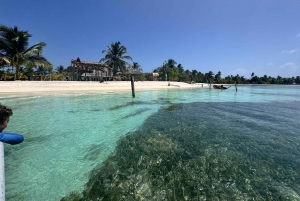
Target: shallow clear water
68, 135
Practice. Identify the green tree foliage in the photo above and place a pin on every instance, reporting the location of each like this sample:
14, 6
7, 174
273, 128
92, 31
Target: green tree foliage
177, 73
136, 65
29, 72
218, 77
60, 69
297, 80
14, 50
180, 72
114, 57
169, 70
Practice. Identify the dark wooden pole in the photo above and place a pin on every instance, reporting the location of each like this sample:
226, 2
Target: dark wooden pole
132, 86
235, 86
73, 68
77, 76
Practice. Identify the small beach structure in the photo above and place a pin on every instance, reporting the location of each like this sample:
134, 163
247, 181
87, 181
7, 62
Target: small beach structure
89, 71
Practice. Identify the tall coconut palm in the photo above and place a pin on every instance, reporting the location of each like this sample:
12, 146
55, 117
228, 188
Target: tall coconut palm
14, 49
194, 74
171, 63
210, 75
115, 57
180, 71
167, 66
218, 77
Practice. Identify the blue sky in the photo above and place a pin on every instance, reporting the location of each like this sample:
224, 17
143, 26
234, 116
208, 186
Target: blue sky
234, 36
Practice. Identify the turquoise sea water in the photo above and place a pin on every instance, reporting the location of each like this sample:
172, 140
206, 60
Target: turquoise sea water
250, 140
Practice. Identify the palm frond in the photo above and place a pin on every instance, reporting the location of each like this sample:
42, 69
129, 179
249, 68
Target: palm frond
127, 57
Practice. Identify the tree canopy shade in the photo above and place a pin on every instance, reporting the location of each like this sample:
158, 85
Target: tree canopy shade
14, 50
114, 58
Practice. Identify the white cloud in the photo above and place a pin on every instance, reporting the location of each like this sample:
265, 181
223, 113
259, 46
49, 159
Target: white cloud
298, 35
270, 64
289, 51
288, 69
288, 66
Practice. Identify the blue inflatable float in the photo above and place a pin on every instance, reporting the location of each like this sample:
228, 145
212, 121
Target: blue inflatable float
11, 138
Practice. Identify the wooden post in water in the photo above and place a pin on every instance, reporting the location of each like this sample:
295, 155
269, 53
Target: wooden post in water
235, 86
132, 85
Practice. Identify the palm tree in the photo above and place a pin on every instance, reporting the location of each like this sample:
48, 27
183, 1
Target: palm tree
136, 65
237, 78
180, 68
28, 71
210, 75
279, 79
168, 66
180, 72
189, 74
40, 70
60, 69
171, 63
253, 77
115, 57
14, 49
200, 77
218, 77
243, 79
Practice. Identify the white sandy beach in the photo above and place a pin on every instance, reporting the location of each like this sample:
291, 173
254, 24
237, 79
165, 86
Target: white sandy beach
87, 86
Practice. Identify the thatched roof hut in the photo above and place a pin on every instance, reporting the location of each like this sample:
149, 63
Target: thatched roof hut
78, 67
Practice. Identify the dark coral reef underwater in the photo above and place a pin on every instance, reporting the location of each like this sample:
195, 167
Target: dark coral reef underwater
200, 151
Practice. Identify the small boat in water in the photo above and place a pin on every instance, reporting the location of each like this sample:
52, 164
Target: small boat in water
220, 87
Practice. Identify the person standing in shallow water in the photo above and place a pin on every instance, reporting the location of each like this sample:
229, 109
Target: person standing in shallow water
10, 138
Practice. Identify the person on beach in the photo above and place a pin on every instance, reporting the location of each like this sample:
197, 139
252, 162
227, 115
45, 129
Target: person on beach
10, 138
